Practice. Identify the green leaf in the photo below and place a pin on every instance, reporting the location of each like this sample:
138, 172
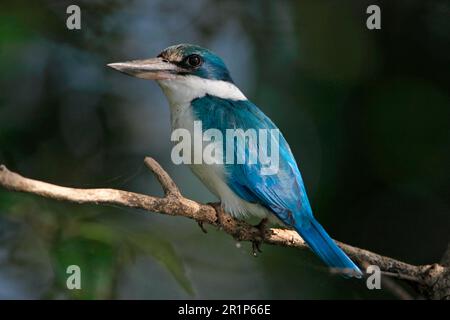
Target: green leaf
97, 263
136, 242
165, 254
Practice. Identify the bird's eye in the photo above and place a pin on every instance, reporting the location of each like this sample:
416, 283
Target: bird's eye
193, 60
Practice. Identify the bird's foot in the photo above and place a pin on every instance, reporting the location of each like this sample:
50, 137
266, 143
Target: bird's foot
200, 224
219, 212
256, 247
256, 244
262, 226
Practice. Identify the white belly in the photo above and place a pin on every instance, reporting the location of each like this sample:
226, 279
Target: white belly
212, 178
212, 175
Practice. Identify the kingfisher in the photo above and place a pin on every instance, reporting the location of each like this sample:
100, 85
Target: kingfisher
199, 88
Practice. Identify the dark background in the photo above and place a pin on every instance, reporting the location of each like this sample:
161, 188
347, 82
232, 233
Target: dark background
366, 114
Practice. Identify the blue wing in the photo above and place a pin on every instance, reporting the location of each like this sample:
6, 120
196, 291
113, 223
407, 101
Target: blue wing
283, 193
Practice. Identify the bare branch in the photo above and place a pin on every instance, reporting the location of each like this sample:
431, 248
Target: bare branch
169, 187
430, 280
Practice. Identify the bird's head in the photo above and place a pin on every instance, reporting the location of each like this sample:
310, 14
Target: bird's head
176, 62
185, 72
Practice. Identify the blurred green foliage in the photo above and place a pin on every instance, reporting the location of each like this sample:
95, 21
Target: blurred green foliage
366, 114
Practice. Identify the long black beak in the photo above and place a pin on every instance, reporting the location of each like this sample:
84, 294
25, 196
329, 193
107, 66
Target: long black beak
151, 69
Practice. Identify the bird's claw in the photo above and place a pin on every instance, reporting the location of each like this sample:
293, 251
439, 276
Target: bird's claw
256, 244
219, 212
200, 224
256, 247
262, 226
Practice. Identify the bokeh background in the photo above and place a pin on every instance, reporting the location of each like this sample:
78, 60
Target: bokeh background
366, 113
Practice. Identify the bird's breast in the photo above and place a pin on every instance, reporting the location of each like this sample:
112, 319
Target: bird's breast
213, 176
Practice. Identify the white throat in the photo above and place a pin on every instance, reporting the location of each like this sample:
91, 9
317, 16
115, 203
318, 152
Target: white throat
182, 90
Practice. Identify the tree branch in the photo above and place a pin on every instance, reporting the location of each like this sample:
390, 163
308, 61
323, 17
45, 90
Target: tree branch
432, 281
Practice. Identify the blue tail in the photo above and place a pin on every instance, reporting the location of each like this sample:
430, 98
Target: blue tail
320, 242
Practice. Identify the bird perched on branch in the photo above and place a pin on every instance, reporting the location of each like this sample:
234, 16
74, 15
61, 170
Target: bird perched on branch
200, 89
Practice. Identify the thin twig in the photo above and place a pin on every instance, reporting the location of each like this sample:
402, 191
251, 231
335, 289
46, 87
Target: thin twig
169, 187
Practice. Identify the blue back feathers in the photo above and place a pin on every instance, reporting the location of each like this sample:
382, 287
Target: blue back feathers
282, 193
